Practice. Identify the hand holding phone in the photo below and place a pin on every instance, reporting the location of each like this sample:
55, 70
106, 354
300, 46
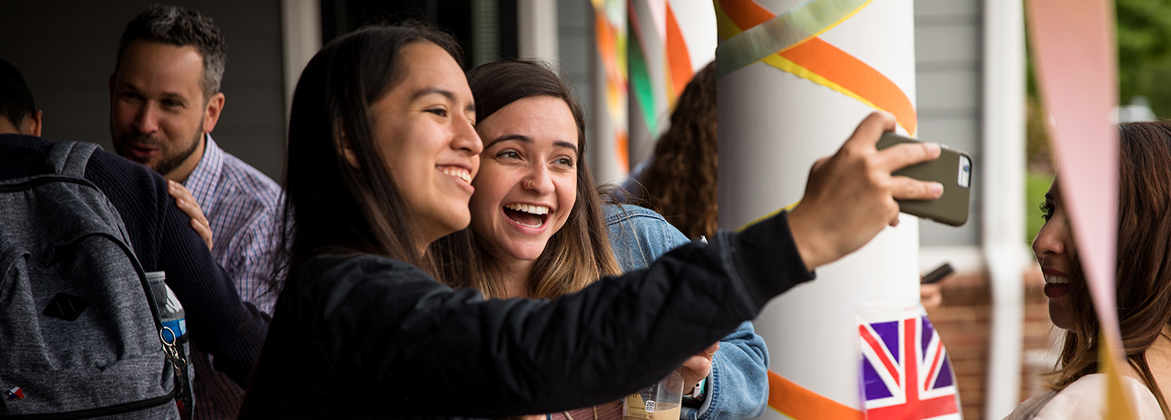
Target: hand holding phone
953, 169
849, 196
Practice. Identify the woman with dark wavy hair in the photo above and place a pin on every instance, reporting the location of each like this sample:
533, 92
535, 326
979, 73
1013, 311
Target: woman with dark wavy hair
680, 182
1143, 275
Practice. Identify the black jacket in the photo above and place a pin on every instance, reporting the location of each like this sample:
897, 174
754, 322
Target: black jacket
371, 337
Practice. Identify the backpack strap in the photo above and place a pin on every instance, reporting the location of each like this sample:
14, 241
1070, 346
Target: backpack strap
69, 158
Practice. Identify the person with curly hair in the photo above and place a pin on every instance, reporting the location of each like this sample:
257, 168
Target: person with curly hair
680, 179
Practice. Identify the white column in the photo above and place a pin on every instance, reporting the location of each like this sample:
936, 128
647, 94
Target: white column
1004, 208
772, 126
301, 30
536, 22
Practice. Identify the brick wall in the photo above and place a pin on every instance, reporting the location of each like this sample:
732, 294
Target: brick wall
964, 325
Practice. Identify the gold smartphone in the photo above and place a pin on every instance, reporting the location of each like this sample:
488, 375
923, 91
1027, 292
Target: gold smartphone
953, 169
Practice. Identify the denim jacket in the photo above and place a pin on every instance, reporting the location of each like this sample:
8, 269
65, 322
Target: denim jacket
737, 387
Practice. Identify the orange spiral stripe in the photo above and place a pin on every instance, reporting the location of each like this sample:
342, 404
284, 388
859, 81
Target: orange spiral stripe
842, 71
824, 59
799, 403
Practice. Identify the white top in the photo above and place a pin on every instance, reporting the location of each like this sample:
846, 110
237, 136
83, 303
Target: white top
1085, 398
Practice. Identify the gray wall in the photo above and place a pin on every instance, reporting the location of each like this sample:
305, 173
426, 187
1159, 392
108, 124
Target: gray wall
66, 51
948, 64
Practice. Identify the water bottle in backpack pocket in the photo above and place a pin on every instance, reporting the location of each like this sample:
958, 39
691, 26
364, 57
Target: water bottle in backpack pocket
175, 339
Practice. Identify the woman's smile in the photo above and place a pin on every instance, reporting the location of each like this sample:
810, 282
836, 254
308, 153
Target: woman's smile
1056, 283
527, 184
527, 215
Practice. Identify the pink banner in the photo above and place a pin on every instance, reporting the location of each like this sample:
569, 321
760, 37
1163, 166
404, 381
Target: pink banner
1074, 55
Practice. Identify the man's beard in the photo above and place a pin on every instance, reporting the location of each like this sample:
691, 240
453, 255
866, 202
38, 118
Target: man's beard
168, 163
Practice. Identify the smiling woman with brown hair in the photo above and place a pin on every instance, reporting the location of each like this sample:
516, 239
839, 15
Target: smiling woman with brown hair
539, 230
1143, 285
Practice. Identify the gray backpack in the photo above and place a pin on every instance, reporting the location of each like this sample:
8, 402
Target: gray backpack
79, 330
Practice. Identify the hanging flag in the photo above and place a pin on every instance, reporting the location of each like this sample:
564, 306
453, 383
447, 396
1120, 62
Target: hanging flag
906, 374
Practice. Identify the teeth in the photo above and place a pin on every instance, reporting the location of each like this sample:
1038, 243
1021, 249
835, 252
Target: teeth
528, 208
460, 173
1055, 279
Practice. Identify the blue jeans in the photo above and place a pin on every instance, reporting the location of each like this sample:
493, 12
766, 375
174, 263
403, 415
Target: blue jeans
738, 383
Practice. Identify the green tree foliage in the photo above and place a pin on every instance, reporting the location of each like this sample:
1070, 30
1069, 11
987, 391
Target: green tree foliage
1144, 51
1144, 69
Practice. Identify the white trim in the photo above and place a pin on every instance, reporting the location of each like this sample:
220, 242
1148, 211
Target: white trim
536, 27
301, 38
1004, 182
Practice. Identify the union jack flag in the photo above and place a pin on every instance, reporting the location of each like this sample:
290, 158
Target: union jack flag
905, 372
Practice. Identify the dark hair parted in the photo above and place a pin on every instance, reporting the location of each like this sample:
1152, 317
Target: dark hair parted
16, 99
181, 27
576, 255
331, 206
1143, 271
681, 180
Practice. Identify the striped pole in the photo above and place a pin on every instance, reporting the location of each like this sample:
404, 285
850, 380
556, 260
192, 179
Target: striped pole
795, 79
647, 58
609, 121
